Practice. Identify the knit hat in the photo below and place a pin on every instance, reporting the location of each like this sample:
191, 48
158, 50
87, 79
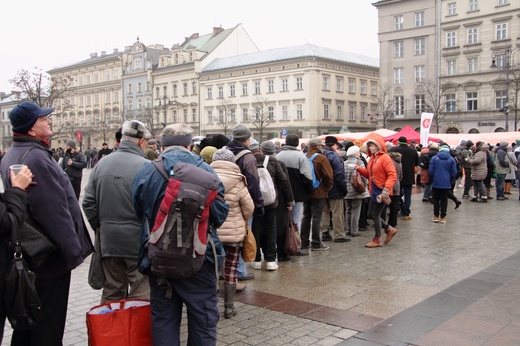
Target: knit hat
253, 145
207, 153
469, 143
267, 148
353, 150
402, 140
219, 140
71, 143
503, 144
331, 140
241, 133
434, 146
445, 148
135, 129
24, 116
292, 140
224, 155
314, 142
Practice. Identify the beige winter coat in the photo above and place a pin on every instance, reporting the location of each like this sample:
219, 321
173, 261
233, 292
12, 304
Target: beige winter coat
241, 205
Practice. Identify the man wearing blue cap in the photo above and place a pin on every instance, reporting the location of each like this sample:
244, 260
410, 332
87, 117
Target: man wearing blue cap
53, 205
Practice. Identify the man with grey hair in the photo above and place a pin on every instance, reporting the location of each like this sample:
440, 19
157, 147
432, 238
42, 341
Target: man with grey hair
199, 291
109, 208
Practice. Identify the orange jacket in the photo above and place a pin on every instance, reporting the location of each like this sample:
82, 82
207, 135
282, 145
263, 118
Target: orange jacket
380, 169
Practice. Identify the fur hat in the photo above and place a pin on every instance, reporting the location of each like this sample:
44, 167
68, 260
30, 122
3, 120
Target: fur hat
24, 116
241, 133
267, 148
223, 155
219, 140
331, 140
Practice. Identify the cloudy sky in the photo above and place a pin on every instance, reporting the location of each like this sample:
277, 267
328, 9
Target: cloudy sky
53, 33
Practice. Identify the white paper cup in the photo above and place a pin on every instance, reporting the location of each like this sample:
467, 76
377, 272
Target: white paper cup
16, 168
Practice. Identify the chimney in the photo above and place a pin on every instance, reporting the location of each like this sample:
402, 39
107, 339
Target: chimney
195, 35
103, 53
217, 30
116, 50
93, 55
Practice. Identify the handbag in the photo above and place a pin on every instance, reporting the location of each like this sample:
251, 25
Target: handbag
21, 300
96, 274
292, 237
249, 247
126, 322
357, 182
36, 247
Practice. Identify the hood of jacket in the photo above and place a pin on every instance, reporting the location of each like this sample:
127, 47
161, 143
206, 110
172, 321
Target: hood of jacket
379, 142
397, 157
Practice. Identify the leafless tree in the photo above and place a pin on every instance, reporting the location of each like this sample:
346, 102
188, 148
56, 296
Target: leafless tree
514, 87
226, 118
263, 116
435, 99
385, 105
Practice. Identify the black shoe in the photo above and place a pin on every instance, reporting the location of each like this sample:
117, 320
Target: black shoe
249, 276
326, 236
284, 258
355, 235
341, 240
425, 200
474, 199
457, 204
303, 252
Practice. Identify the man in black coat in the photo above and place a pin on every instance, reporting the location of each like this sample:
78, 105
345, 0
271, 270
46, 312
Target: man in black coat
409, 162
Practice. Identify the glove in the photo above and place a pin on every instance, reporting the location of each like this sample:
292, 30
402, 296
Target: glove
259, 211
385, 194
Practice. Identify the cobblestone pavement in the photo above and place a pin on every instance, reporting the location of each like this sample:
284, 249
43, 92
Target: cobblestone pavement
341, 295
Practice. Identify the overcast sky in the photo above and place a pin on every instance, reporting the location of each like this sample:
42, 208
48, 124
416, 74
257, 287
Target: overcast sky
52, 33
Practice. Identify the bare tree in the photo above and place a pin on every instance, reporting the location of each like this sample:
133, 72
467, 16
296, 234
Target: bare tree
385, 105
263, 116
435, 99
514, 87
226, 119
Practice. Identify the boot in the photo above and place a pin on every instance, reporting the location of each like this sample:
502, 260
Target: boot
229, 299
507, 188
488, 192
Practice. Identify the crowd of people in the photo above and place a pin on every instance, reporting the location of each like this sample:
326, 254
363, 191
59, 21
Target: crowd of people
330, 190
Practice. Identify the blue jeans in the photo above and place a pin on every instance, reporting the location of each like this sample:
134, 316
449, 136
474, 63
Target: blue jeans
499, 183
312, 211
407, 193
297, 214
199, 294
427, 191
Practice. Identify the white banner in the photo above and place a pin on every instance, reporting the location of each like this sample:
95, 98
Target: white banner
426, 123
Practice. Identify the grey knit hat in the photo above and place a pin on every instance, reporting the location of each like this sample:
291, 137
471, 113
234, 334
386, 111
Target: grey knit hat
71, 143
241, 133
253, 144
267, 148
223, 155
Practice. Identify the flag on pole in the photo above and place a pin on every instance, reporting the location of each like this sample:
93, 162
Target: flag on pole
426, 123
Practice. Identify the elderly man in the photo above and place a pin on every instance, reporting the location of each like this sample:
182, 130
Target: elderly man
109, 208
151, 151
199, 291
53, 205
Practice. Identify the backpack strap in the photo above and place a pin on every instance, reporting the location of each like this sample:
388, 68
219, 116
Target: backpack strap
160, 167
266, 161
313, 156
242, 153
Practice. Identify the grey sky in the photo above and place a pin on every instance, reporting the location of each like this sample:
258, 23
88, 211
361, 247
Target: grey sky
52, 33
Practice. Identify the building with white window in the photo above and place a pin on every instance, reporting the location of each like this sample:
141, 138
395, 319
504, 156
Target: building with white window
467, 71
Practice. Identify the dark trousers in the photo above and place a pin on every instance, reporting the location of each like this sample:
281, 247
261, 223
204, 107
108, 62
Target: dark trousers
393, 210
264, 229
375, 210
199, 294
76, 186
54, 297
467, 181
407, 203
312, 212
440, 201
363, 215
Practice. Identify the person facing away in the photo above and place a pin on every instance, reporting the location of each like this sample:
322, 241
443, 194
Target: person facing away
109, 208
52, 203
443, 171
199, 291
13, 205
73, 163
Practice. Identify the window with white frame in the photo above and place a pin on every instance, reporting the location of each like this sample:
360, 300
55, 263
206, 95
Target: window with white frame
451, 102
96, 99
471, 101
419, 73
452, 8
473, 5
373, 88
257, 88
270, 113
89, 101
194, 115
299, 83
420, 104
285, 112
420, 46
285, 84
451, 67
220, 92
233, 115
80, 101
326, 83
399, 105
326, 114
232, 91
221, 116
174, 86
473, 65
472, 35
501, 31
500, 99
363, 112
398, 22
398, 75
339, 84
352, 85
299, 111
352, 111
339, 111
245, 116
363, 86
137, 64
185, 114
129, 88
185, 88
209, 93
398, 49
194, 88
107, 97
244, 89
503, 2
451, 39
175, 118
96, 78
500, 61
419, 19
270, 86
116, 96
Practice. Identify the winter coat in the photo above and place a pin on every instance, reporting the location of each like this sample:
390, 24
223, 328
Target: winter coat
479, 163
349, 164
380, 170
281, 184
237, 195
409, 161
424, 163
396, 158
52, 204
339, 185
299, 169
79, 163
108, 203
511, 175
502, 161
443, 170
323, 172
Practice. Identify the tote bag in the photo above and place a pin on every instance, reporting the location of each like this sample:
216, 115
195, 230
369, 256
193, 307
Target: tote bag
249, 248
292, 237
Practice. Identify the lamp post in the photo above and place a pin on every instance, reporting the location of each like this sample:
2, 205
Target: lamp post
507, 62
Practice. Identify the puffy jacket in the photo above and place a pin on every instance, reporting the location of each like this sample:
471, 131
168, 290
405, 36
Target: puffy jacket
237, 195
443, 170
380, 169
339, 185
323, 172
299, 170
349, 164
479, 162
396, 159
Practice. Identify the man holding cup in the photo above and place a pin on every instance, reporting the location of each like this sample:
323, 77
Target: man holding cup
53, 205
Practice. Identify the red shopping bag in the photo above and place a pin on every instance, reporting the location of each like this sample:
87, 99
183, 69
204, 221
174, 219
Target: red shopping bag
120, 323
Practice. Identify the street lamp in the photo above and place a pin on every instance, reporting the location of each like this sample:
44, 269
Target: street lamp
507, 56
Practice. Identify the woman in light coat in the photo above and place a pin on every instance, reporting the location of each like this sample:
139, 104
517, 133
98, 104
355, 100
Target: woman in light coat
479, 171
353, 199
233, 230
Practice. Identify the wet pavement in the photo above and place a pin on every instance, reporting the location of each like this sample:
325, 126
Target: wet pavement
433, 284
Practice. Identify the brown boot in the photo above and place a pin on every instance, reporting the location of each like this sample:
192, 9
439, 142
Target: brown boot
488, 192
507, 187
376, 242
390, 232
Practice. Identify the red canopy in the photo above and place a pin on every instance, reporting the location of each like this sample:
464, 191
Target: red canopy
408, 132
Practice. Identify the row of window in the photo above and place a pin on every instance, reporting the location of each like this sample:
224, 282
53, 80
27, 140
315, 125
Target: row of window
87, 79
419, 74
175, 90
419, 47
86, 100
472, 35
399, 20
472, 6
